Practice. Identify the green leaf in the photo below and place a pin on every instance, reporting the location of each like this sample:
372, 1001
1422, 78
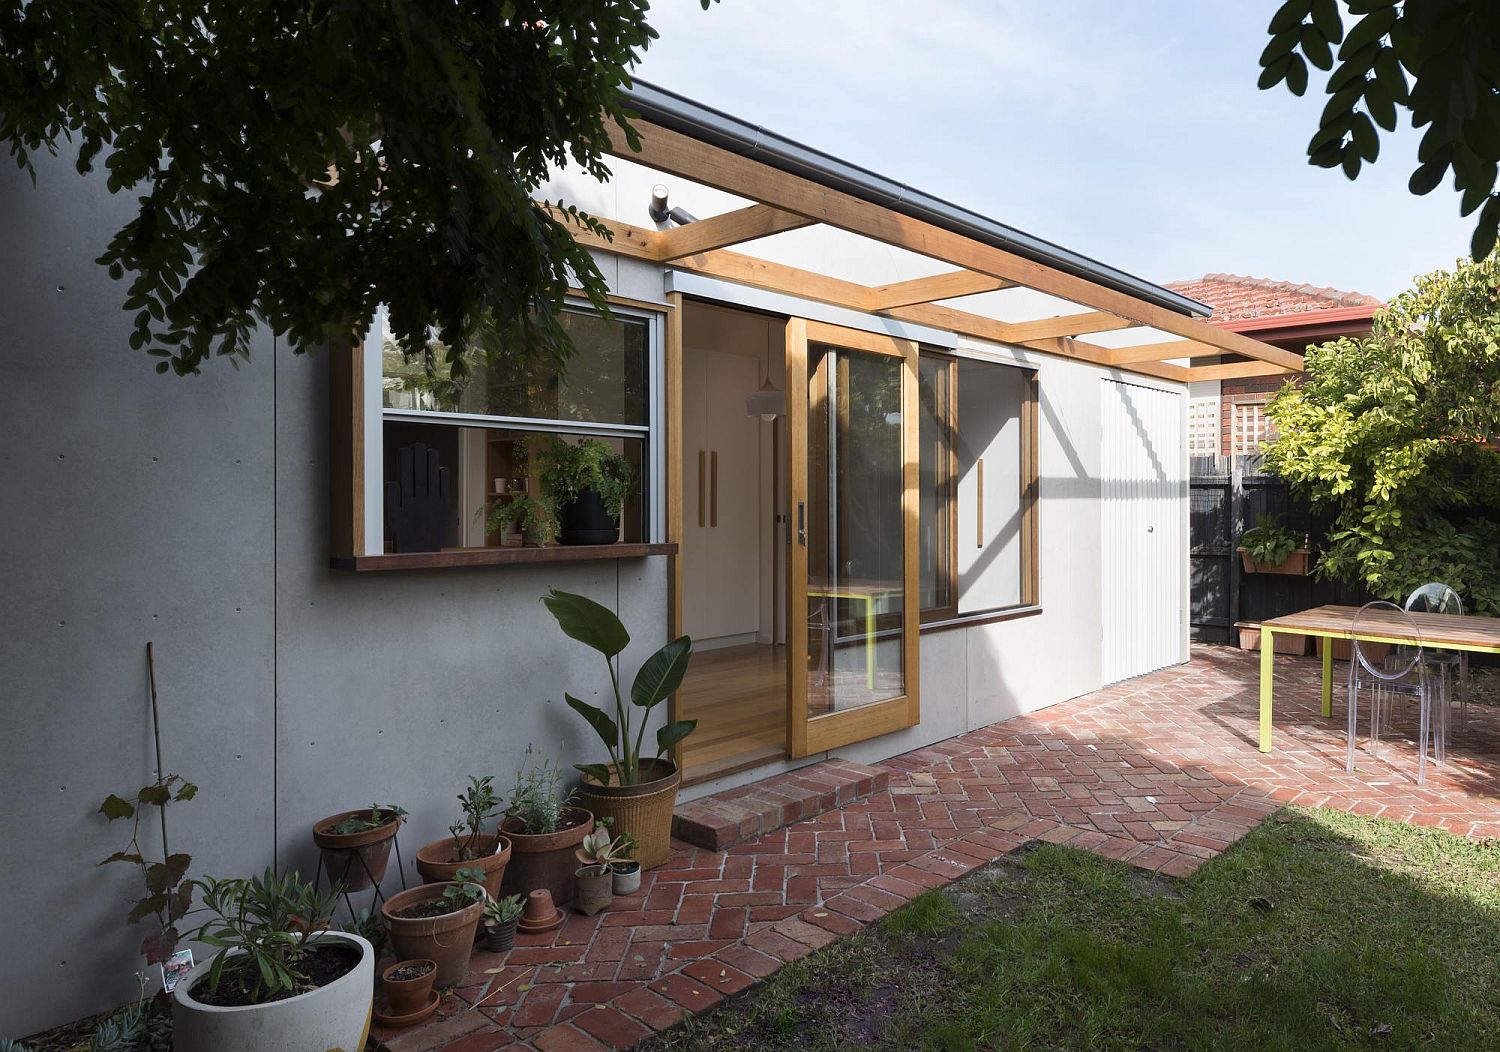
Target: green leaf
1296, 76
115, 807
1316, 48
598, 719
673, 733
147, 906
186, 791
1426, 178
156, 795
163, 876
1325, 15
662, 673
599, 772
124, 856
588, 622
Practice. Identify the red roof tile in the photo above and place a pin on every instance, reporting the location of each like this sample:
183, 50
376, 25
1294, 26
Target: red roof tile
1235, 298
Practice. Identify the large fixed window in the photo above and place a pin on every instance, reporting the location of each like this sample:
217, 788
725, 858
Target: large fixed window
460, 449
977, 466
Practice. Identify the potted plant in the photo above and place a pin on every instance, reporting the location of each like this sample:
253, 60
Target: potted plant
544, 827
436, 922
534, 517
626, 869
356, 845
500, 917
1283, 642
589, 482
468, 845
1269, 547
595, 878
638, 794
280, 978
407, 986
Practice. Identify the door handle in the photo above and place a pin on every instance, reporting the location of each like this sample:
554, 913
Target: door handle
713, 488
802, 524
702, 491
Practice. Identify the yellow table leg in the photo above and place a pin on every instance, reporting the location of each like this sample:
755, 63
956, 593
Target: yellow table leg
1267, 649
1327, 675
870, 641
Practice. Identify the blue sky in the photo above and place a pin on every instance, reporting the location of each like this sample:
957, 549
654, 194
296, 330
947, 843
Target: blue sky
1130, 131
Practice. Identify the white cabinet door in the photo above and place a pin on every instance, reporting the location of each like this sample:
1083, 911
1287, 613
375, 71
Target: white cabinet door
721, 496
1143, 549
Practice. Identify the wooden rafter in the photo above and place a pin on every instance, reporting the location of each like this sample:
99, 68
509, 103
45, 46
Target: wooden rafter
1235, 371
682, 155
948, 286
731, 228
1159, 352
1069, 325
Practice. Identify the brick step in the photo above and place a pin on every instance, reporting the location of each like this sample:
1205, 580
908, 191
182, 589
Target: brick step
736, 815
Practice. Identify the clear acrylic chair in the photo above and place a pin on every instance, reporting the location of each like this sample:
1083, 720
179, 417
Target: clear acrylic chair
1452, 665
1407, 676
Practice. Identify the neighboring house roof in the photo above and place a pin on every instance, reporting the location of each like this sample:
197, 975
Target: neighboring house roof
1280, 311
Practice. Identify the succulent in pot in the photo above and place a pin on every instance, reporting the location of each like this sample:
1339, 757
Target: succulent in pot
626, 870
356, 845
280, 979
638, 793
544, 827
437, 922
500, 918
589, 483
595, 878
468, 845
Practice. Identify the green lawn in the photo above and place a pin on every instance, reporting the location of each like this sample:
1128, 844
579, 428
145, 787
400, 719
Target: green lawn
1319, 930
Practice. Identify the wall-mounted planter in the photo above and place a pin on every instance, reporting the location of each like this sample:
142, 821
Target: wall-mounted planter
1295, 565
1282, 642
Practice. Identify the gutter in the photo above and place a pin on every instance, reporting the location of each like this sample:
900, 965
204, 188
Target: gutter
716, 128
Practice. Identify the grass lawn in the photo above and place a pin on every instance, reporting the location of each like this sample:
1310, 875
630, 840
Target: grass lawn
1319, 930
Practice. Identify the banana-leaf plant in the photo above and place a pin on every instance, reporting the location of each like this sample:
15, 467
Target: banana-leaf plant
597, 627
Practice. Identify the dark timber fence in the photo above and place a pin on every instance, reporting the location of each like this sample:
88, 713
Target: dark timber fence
1229, 495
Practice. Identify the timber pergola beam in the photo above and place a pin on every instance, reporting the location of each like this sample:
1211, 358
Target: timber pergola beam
948, 286
681, 155
1158, 352
721, 231
1069, 325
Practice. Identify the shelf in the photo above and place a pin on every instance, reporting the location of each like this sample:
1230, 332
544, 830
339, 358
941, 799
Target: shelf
456, 557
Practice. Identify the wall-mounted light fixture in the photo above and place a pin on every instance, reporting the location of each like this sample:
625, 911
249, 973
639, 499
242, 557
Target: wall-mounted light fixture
768, 403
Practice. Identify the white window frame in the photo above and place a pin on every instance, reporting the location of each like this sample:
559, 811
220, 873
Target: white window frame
652, 431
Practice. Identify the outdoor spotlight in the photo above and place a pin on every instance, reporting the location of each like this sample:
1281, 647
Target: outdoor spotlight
658, 210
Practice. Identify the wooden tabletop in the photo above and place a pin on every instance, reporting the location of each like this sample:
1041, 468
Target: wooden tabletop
1457, 631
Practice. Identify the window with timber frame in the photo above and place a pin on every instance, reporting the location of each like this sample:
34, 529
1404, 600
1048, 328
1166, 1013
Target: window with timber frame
978, 482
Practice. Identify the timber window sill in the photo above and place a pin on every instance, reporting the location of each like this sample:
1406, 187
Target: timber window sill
455, 558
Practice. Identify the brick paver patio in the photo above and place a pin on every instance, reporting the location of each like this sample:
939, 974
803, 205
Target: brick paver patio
1161, 772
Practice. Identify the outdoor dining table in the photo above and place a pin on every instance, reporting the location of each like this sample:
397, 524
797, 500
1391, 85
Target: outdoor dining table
1469, 632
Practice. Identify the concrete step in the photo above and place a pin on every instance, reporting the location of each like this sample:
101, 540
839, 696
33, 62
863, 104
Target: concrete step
736, 815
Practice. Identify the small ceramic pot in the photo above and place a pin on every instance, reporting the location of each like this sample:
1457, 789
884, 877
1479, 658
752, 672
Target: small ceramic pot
404, 996
500, 937
593, 889
627, 877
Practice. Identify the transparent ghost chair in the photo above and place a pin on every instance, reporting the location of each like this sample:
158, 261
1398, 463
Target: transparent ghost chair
1452, 666
1405, 675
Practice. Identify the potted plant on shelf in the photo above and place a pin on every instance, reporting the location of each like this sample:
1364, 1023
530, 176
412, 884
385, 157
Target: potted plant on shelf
595, 878
544, 827
589, 483
500, 917
469, 845
1269, 547
437, 922
534, 517
280, 978
356, 845
638, 794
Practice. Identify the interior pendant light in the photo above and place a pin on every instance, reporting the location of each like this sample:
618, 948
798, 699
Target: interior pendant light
768, 403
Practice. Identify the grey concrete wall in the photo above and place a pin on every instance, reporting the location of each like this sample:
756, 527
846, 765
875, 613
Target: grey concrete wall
193, 512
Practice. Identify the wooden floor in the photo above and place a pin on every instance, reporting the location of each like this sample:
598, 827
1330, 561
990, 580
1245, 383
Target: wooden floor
738, 697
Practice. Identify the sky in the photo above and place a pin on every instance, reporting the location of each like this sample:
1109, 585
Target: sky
1129, 131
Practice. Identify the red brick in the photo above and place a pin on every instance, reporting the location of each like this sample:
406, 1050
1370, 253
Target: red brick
690, 993
613, 1028
722, 977
565, 1038
651, 1009
749, 961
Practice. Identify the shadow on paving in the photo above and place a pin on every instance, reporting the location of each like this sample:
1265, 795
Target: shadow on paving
1319, 930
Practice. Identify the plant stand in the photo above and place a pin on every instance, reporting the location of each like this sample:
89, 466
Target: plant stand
379, 898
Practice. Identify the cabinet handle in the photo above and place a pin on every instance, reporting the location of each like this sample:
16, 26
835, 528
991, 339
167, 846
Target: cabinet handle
802, 524
713, 488
702, 488
979, 507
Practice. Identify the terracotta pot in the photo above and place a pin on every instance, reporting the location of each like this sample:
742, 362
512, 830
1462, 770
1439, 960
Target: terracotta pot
545, 860
595, 889
1343, 650
357, 860
500, 937
405, 996
446, 940
644, 810
1284, 642
435, 861
627, 877
1295, 564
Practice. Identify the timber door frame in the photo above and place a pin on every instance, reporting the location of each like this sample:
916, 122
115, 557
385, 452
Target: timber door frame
813, 734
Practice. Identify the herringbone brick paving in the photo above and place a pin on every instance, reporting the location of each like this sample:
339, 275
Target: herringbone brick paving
1161, 772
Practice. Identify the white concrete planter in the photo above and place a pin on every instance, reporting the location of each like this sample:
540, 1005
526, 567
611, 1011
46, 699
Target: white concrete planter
332, 1018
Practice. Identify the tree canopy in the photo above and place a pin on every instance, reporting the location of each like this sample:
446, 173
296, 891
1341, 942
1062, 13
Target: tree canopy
298, 162
1439, 60
1394, 436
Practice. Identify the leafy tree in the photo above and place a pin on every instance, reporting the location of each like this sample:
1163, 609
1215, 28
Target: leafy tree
298, 162
1394, 436
1437, 59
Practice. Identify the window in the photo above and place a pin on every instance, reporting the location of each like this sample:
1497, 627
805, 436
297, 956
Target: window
1251, 428
479, 444
978, 483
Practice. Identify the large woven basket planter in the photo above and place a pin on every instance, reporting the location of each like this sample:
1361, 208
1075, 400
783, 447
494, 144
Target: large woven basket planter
644, 810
